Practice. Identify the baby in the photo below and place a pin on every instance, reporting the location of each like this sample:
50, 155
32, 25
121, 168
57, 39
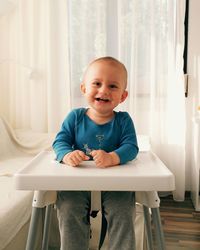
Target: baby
108, 138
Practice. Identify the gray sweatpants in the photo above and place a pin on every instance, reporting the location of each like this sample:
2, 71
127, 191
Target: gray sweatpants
73, 208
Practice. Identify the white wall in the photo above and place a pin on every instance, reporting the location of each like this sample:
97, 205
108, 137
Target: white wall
193, 99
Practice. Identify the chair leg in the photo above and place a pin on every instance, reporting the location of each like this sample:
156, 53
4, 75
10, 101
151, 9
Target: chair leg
147, 220
47, 224
33, 228
158, 228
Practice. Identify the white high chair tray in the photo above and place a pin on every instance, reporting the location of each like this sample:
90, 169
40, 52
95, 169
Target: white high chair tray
146, 173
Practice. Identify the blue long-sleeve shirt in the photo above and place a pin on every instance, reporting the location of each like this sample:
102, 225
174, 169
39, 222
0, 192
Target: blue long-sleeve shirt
78, 131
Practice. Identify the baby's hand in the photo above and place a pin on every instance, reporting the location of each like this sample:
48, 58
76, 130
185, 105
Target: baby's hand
75, 158
103, 159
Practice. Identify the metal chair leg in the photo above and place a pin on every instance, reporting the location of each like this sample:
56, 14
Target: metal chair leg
33, 228
147, 220
47, 224
158, 228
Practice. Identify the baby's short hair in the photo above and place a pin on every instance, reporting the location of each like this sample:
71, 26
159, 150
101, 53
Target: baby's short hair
112, 60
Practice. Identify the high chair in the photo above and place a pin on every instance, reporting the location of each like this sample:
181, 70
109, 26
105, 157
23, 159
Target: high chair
148, 200
146, 175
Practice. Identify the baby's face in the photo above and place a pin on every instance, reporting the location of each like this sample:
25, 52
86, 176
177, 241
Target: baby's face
104, 86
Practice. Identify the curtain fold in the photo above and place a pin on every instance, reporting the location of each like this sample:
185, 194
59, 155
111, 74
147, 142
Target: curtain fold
47, 45
168, 103
37, 63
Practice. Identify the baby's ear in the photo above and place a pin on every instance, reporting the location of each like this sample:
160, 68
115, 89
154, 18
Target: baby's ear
124, 95
83, 88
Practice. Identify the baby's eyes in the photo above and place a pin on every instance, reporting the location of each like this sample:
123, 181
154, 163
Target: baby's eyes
97, 83
111, 86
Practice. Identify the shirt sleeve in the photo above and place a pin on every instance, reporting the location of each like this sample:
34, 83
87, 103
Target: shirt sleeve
128, 148
64, 141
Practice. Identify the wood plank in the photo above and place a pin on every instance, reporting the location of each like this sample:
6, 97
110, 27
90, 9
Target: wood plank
181, 224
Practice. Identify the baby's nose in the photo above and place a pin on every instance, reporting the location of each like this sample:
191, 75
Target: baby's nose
104, 89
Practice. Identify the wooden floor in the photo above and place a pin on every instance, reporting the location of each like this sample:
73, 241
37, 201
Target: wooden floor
181, 224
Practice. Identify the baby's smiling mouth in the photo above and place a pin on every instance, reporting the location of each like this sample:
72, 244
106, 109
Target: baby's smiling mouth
102, 99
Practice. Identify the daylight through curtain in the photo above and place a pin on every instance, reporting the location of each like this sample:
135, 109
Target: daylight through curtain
47, 44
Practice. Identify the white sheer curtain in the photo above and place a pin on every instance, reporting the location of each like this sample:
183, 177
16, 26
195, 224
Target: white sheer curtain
51, 42
148, 36
35, 90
